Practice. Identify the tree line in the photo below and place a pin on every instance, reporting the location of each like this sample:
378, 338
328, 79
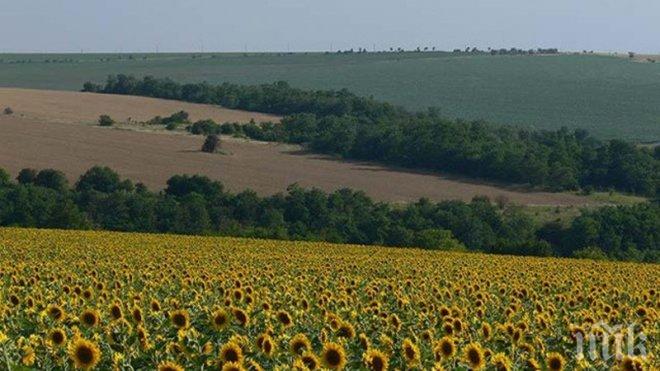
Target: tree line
197, 205
343, 124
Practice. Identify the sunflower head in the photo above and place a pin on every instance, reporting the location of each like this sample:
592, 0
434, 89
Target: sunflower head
501, 362
232, 366
57, 337
410, 352
555, 361
219, 319
170, 366
474, 356
180, 319
55, 312
84, 354
333, 356
375, 360
311, 360
231, 352
445, 348
90, 318
299, 344
284, 318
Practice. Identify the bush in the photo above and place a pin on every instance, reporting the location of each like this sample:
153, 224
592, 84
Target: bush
8, 111
211, 144
105, 120
590, 252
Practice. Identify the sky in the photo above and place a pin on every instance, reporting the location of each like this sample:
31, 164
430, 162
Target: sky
316, 25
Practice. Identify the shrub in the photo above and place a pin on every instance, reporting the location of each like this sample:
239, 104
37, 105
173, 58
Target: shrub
211, 144
8, 111
105, 120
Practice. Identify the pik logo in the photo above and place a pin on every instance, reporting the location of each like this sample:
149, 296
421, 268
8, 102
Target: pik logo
607, 342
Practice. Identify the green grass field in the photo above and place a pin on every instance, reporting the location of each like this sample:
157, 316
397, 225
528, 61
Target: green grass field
609, 96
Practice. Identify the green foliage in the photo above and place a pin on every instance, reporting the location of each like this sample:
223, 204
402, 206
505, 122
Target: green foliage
211, 143
341, 123
590, 252
197, 205
105, 120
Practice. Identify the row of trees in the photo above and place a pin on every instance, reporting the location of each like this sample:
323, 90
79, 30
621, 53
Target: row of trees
197, 205
341, 123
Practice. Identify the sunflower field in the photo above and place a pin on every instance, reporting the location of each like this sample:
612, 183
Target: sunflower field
118, 301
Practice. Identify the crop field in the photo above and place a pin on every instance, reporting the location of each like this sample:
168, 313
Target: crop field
85, 108
113, 300
267, 168
612, 97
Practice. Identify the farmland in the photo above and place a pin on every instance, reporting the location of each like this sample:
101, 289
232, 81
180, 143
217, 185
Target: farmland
114, 300
267, 168
609, 96
78, 108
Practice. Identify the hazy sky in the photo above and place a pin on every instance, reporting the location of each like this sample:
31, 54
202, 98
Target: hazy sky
278, 25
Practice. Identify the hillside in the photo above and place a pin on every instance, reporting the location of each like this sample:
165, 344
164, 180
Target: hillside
74, 107
609, 96
267, 168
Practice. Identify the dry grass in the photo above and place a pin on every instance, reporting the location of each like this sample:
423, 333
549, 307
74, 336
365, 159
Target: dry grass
267, 168
75, 107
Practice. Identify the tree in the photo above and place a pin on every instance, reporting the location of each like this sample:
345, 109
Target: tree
4, 178
211, 144
105, 120
53, 179
101, 179
27, 176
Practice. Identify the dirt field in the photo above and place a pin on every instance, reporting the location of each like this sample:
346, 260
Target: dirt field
75, 107
267, 168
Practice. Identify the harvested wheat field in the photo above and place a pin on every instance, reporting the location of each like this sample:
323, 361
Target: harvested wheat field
76, 107
267, 168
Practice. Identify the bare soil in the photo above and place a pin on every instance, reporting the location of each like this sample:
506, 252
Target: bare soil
76, 107
267, 168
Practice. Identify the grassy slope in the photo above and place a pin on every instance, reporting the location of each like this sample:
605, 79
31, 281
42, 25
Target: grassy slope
611, 97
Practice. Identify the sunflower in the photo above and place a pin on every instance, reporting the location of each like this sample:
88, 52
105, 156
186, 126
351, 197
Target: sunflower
219, 319
501, 362
299, 344
268, 346
375, 360
233, 366
28, 357
240, 316
555, 362
155, 305
84, 353
310, 360
364, 341
55, 312
284, 318
170, 366
90, 318
231, 352
486, 331
444, 348
333, 356
180, 318
115, 311
474, 356
410, 352
57, 337
532, 364
137, 314
346, 330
